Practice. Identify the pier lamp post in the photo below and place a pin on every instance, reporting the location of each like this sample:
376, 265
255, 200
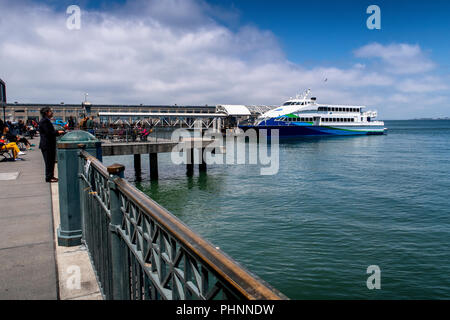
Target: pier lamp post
3, 98
86, 105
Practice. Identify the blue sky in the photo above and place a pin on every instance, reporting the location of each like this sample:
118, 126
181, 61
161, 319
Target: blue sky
225, 51
333, 28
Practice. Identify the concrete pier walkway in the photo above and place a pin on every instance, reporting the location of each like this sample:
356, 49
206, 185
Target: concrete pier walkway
27, 249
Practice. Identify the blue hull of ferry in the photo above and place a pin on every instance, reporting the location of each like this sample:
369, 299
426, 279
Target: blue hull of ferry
301, 131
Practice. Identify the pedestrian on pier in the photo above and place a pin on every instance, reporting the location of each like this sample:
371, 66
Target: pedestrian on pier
71, 123
47, 144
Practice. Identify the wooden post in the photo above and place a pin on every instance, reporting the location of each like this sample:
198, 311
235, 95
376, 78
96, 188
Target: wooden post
153, 166
202, 164
137, 166
190, 162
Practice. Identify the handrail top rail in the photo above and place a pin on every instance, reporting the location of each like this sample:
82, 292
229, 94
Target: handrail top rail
248, 284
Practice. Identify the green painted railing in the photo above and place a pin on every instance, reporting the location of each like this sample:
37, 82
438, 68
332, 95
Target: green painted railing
141, 251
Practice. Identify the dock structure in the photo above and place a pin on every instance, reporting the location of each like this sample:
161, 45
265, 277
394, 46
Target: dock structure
152, 148
214, 117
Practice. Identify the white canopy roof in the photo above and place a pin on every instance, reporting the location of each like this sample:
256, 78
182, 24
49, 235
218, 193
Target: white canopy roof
233, 110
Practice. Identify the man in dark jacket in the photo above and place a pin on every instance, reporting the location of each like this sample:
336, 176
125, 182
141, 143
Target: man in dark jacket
47, 144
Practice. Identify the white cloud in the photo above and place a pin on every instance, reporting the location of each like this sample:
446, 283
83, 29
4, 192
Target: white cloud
400, 58
422, 85
174, 51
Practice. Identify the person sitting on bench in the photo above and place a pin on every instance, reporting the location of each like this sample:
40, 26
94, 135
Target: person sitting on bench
4, 145
17, 139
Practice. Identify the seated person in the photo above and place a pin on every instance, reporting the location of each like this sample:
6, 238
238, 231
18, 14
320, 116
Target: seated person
144, 134
11, 146
13, 138
31, 131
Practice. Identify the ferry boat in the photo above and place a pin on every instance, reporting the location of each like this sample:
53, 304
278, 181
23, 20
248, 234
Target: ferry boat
303, 116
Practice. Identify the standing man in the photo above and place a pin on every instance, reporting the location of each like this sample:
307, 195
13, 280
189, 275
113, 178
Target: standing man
71, 123
47, 144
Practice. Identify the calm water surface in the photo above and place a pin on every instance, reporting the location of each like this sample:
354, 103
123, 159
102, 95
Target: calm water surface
336, 206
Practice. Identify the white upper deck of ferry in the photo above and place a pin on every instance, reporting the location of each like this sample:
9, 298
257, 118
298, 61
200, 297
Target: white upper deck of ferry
306, 108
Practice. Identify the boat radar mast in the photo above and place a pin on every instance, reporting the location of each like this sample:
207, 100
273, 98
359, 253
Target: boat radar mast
304, 95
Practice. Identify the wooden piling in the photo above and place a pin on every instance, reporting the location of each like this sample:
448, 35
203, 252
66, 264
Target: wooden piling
137, 167
202, 164
190, 162
153, 166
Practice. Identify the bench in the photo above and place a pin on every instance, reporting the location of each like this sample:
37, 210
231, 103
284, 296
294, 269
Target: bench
5, 153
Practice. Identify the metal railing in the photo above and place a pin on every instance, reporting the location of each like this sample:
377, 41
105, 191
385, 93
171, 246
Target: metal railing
139, 250
131, 135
